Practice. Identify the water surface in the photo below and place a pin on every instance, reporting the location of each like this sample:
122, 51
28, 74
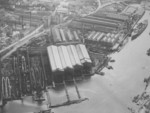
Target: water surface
111, 93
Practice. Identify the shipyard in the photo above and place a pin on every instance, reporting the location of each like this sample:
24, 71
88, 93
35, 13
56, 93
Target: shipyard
74, 56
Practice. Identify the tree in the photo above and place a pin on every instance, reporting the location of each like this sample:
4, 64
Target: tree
139, 1
13, 1
4, 3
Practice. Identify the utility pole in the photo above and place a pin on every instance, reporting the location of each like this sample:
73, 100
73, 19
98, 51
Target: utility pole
15, 24
66, 91
22, 21
30, 19
29, 12
1, 100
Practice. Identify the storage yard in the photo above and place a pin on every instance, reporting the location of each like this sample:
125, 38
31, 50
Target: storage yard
50, 47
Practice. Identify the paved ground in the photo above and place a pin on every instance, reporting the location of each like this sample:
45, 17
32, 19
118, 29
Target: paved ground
111, 93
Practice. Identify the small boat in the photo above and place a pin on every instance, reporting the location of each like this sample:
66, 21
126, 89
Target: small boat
112, 60
109, 67
148, 52
45, 111
138, 29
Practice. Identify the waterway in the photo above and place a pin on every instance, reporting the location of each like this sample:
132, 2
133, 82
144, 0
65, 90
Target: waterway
111, 93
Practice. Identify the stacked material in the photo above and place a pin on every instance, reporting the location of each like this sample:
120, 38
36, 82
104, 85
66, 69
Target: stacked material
65, 36
69, 61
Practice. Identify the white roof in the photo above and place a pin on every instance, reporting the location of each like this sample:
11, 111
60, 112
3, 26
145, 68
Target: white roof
51, 58
66, 56
112, 35
70, 36
72, 59
58, 37
62, 57
95, 36
76, 35
85, 53
116, 36
62, 35
108, 34
54, 58
101, 36
104, 39
75, 54
91, 35
80, 54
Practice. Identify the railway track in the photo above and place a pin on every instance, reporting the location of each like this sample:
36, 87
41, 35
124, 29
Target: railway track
6, 52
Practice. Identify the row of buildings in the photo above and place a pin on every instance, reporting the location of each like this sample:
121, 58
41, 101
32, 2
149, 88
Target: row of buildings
70, 51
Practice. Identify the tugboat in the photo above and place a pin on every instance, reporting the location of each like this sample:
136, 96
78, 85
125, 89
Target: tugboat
138, 29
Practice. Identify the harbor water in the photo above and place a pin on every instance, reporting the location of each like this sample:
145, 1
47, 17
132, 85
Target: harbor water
111, 93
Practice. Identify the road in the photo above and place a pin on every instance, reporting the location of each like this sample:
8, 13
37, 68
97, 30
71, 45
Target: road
111, 93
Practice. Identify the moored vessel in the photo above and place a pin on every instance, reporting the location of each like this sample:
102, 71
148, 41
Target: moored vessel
138, 29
